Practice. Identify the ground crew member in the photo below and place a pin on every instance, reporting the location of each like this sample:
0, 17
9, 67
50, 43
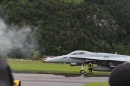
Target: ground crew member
90, 66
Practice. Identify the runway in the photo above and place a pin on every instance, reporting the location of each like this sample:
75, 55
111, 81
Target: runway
55, 80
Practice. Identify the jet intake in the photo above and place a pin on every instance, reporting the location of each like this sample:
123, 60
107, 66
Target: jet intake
75, 64
103, 63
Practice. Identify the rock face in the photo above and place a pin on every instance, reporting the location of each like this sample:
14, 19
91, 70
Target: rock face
106, 23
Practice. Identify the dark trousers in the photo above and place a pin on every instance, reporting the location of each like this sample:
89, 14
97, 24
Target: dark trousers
90, 71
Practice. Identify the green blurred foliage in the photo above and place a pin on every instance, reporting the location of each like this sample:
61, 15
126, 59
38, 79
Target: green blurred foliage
64, 27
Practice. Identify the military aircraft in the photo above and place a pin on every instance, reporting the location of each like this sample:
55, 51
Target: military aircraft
105, 61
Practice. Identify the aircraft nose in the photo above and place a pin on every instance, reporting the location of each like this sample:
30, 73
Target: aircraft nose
47, 59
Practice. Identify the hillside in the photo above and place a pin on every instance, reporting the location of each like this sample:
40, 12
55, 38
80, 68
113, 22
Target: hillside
63, 26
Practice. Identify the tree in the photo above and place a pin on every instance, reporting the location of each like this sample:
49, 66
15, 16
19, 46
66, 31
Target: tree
36, 55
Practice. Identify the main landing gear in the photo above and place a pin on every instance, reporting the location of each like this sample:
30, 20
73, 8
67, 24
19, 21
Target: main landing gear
82, 69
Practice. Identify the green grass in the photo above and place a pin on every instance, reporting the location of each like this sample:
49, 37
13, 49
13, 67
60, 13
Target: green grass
28, 65
98, 84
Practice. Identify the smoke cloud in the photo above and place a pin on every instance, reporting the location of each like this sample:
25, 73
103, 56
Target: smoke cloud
15, 37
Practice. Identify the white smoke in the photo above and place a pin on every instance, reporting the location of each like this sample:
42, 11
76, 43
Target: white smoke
11, 36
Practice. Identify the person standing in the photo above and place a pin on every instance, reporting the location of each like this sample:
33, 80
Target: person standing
90, 66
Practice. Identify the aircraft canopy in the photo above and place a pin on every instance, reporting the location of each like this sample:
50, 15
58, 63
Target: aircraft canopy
79, 52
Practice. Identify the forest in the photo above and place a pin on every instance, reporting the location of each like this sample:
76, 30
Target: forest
61, 26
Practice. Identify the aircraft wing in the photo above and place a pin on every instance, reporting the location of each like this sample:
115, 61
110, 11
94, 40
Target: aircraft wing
123, 58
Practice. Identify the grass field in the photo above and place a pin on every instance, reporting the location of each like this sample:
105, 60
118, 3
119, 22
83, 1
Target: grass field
39, 66
98, 84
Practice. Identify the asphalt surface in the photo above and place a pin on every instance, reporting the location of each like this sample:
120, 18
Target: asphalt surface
55, 80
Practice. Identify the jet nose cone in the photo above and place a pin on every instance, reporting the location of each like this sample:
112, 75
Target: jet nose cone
47, 59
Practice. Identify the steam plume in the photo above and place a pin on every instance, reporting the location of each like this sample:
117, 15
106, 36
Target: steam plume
14, 37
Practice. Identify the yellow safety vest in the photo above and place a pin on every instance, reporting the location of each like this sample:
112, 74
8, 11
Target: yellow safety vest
90, 65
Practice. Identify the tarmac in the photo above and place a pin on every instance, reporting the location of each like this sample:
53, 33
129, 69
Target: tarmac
55, 80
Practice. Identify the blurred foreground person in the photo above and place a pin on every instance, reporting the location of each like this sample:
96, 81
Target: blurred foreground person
120, 75
6, 78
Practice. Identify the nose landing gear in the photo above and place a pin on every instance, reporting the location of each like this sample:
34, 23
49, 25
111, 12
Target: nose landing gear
82, 69
90, 66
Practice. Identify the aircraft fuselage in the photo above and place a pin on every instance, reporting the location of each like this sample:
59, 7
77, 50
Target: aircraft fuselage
105, 61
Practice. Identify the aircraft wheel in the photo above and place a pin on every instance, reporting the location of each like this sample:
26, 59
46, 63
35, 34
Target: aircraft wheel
82, 71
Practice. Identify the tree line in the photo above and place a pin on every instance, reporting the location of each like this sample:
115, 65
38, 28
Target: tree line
64, 26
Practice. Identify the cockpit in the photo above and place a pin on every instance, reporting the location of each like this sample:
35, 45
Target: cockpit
78, 52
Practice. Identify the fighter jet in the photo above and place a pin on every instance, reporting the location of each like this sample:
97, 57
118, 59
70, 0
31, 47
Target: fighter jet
105, 61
